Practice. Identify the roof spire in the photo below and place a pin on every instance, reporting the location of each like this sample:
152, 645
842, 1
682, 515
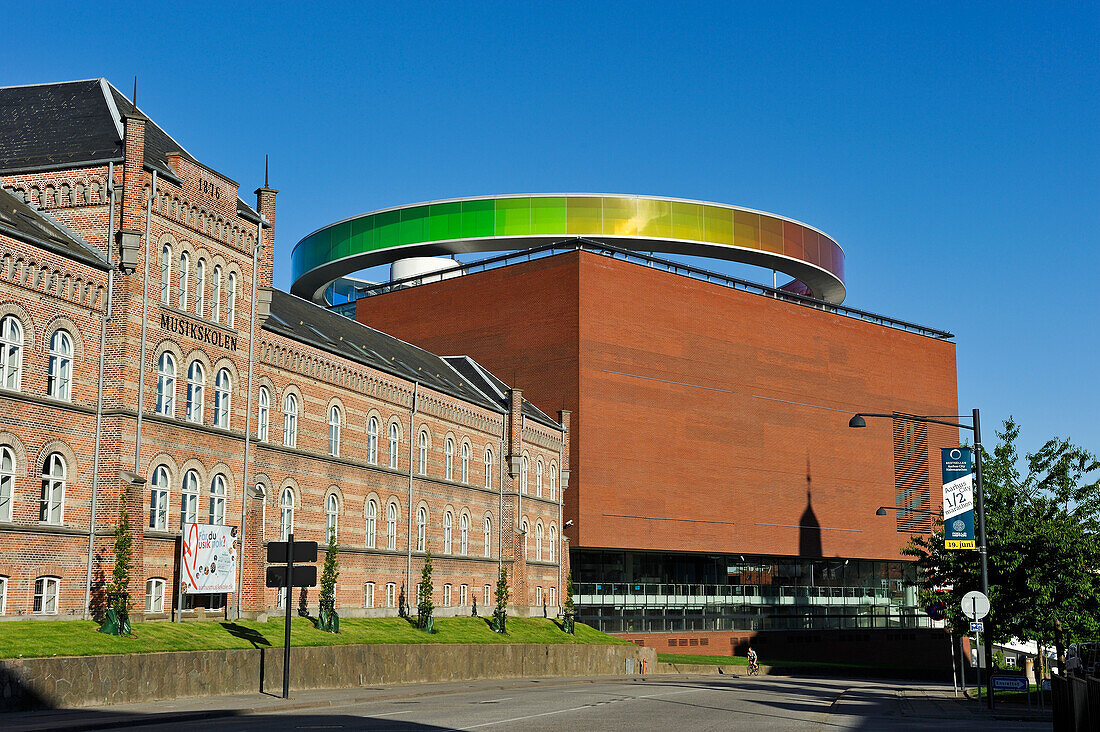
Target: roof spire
265, 172
134, 100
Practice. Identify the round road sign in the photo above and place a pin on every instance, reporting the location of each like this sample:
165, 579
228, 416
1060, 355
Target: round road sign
975, 605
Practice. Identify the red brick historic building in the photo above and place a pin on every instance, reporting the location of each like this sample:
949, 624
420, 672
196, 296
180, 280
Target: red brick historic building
146, 355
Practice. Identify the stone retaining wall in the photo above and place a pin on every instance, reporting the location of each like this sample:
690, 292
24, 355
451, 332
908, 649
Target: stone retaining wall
75, 681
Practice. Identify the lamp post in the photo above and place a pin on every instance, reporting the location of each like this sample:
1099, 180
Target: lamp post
858, 420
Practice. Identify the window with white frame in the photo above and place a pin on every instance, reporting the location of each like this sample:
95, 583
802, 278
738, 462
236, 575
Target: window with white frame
487, 538
391, 526
59, 377
165, 273
286, 514
334, 431
553, 593
51, 505
189, 499
446, 594
372, 523
290, 420
196, 383
538, 596
263, 413
231, 300
464, 534
372, 440
11, 352
395, 436
486, 596
216, 295
526, 536
488, 468
391, 594
7, 482
465, 474
553, 482
217, 500
449, 459
551, 546
185, 281
154, 595
166, 385
368, 594
332, 517
538, 478
523, 468
200, 288
3, 595
158, 499
538, 542
421, 528
447, 527
223, 391
280, 597
46, 595
422, 458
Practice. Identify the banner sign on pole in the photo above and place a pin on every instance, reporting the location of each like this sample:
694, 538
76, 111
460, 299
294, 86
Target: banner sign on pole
209, 559
958, 498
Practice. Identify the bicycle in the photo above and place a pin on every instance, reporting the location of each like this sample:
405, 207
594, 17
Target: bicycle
754, 668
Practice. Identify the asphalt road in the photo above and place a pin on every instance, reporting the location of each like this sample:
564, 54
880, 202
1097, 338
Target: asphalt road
676, 704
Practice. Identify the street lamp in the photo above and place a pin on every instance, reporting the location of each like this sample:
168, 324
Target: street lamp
858, 420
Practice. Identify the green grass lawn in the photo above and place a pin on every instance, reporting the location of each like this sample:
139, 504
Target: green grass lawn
31, 638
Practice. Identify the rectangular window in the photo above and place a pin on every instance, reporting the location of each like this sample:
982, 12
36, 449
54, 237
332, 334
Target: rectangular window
446, 595
486, 596
391, 594
538, 596
3, 595
463, 595
368, 594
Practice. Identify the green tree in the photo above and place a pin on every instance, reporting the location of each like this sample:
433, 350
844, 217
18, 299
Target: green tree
117, 620
1043, 534
424, 592
569, 609
500, 614
327, 618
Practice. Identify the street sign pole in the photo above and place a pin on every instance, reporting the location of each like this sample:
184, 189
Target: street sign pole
977, 640
286, 602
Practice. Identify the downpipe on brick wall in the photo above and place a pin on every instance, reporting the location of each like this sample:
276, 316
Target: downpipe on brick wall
412, 446
144, 326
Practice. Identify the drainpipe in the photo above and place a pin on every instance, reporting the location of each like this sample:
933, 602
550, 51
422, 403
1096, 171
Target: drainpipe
412, 446
248, 417
144, 327
500, 481
561, 538
106, 318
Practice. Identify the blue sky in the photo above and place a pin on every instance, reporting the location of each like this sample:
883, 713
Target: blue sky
951, 148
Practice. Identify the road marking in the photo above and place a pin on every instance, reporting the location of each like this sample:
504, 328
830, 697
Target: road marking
494, 701
575, 709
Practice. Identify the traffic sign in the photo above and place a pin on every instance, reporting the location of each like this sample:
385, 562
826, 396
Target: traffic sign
1009, 683
977, 627
975, 605
304, 551
304, 576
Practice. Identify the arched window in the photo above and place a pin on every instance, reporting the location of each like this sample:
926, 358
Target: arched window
196, 383
334, 431
165, 273
59, 376
553, 592
524, 465
46, 591
465, 475
391, 526
447, 526
449, 459
551, 546
538, 542
422, 459
372, 523
222, 392
166, 385
51, 505
372, 440
158, 499
154, 595
185, 280
421, 528
189, 500
488, 468
231, 300
263, 413
200, 288
553, 482
332, 516
7, 482
11, 352
216, 295
286, 514
538, 478
290, 420
217, 500
394, 437
464, 534
524, 530
487, 538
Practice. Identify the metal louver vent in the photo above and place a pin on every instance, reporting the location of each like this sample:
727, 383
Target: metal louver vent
911, 475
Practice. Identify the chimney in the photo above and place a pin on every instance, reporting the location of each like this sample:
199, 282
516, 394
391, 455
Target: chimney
133, 184
515, 427
265, 205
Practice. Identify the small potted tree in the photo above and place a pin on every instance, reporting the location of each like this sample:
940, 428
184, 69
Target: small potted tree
569, 611
424, 592
500, 614
117, 619
327, 618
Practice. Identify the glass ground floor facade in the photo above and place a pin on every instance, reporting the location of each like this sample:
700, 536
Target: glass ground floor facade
652, 592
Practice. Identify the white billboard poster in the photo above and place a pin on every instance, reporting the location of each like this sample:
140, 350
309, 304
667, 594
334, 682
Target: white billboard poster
209, 558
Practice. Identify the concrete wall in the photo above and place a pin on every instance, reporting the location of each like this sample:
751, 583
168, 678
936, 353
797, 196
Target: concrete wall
37, 683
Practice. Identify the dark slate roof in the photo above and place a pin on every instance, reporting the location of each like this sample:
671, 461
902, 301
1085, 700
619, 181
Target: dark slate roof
493, 388
305, 322
19, 221
158, 143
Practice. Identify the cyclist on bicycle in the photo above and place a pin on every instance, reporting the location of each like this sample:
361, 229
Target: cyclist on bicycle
754, 665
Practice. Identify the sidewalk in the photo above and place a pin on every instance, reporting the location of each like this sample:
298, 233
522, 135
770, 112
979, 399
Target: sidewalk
938, 702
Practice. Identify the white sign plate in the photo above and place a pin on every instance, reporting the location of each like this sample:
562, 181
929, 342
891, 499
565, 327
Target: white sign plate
977, 627
975, 605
